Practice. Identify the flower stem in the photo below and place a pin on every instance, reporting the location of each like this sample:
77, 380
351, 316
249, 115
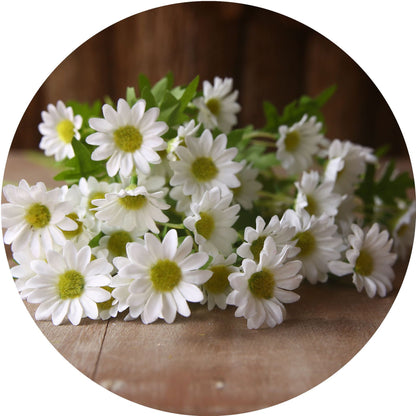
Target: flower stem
171, 225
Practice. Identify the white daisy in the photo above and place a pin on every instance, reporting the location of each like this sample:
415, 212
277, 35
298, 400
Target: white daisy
205, 163
260, 290
69, 284
247, 192
115, 241
217, 288
298, 144
129, 137
164, 277
35, 217
23, 272
316, 198
218, 106
211, 222
58, 128
318, 241
187, 130
109, 308
281, 233
404, 230
183, 202
369, 260
346, 163
132, 209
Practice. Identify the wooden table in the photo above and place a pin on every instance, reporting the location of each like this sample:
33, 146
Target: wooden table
211, 363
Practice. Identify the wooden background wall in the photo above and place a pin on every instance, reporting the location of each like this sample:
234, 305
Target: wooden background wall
269, 56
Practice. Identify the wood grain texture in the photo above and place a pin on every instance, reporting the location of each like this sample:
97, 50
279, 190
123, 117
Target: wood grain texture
270, 57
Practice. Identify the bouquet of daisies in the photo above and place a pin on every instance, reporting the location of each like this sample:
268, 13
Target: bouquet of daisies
166, 203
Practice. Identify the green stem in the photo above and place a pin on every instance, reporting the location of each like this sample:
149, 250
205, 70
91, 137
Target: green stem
259, 134
171, 225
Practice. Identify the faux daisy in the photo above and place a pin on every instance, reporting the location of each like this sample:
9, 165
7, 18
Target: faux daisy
132, 209
318, 241
281, 233
404, 231
217, 288
317, 199
23, 272
164, 277
187, 130
59, 126
298, 144
218, 106
211, 222
369, 261
260, 290
129, 137
35, 217
205, 163
346, 164
115, 241
247, 192
69, 284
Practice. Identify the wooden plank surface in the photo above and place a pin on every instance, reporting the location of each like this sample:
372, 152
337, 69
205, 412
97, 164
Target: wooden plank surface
211, 363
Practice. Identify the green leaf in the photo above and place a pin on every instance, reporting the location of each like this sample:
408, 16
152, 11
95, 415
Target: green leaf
189, 93
272, 117
143, 82
147, 95
159, 90
325, 95
95, 241
131, 97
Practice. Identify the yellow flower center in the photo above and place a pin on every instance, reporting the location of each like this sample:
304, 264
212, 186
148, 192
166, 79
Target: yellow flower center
71, 284
128, 139
65, 130
292, 141
117, 243
257, 247
204, 169
214, 106
107, 304
38, 215
312, 207
205, 226
306, 243
95, 195
71, 234
261, 284
218, 282
364, 265
133, 202
165, 275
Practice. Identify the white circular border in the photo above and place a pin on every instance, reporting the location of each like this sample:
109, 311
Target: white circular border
37, 36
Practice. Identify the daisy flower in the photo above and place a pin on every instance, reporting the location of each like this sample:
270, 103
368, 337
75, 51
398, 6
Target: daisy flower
69, 284
129, 137
217, 288
187, 130
281, 233
35, 217
218, 106
260, 290
346, 163
205, 163
315, 198
247, 192
211, 222
132, 209
404, 231
59, 126
318, 241
298, 144
183, 202
115, 241
109, 308
369, 260
23, 272
164, 277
